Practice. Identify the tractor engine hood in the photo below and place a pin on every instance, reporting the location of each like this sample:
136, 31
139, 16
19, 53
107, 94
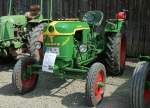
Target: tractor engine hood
14, 19
8, 24
58, 28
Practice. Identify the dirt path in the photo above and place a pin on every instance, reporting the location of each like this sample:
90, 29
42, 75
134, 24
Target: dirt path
52, 92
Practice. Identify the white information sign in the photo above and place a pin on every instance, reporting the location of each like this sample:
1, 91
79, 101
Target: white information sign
49, 61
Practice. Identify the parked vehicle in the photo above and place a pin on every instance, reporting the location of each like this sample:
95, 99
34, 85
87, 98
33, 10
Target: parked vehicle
17, 28
140, 84
70, 47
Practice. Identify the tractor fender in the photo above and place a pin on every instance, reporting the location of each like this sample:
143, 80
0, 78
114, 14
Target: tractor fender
114, 25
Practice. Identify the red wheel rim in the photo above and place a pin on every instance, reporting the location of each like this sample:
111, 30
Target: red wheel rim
123, 51
99, 91
147, 91
29, 83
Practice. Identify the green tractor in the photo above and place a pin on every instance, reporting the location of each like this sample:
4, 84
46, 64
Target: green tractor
18, 27
73, 48
140, 84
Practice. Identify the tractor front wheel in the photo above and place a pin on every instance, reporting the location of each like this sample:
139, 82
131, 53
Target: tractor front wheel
23, 80
95, 85
140, 86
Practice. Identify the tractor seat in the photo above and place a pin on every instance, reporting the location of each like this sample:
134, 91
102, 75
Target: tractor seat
33, 12
93, 18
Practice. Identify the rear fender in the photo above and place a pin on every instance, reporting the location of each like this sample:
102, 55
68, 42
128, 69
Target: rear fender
114, 25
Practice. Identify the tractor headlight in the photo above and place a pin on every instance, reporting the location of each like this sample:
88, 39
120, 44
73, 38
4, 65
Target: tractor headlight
25, 29
38, 45
51, 29
83, 48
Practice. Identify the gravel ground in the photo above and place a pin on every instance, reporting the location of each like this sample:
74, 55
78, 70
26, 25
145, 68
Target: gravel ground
52, 92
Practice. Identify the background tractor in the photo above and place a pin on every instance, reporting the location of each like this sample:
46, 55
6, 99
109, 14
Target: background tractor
19, 26
70, 46
140, 84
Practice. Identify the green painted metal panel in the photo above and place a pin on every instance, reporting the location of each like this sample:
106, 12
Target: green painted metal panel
65, 27
14, 19
65, 48
7, 26
7, 31
114, 26
145, 58
62, 27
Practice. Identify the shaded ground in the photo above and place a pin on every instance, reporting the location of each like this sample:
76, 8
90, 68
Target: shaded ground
52, 92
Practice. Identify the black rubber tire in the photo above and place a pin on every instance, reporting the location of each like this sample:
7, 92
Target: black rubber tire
34, 35
91, 77
19, 69
137, 84
112, 59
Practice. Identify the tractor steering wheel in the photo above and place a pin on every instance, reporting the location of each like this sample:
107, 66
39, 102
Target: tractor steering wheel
94, 18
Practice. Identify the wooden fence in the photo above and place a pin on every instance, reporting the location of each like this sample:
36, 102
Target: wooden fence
138, 32
139, 28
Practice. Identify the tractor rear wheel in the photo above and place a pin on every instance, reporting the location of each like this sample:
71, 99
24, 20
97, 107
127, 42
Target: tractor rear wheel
95, 84
140, 86
22, 80
115, 53
36, 36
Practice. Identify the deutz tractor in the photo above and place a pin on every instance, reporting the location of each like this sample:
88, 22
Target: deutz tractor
73, 48
140, 84
18, 27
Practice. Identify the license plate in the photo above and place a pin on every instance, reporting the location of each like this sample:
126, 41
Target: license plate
49, 61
